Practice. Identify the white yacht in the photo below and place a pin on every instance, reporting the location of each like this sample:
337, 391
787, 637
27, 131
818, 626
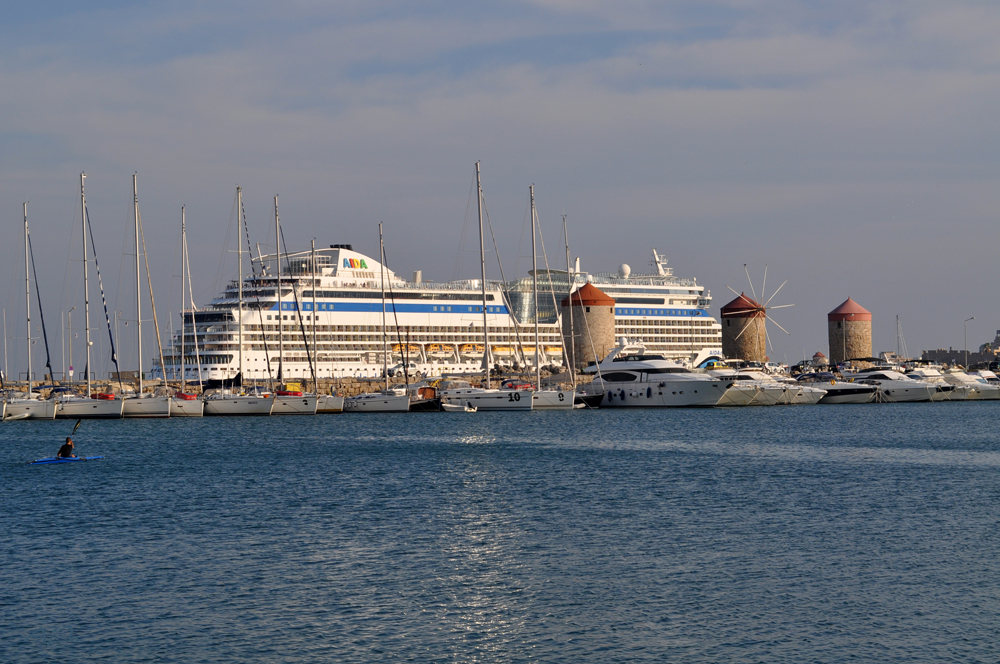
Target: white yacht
21, 406
978, 387
895, 387
386, 401
329, 403
229, 403
839, 391
294, 403
632, 378
946, 390
186, 405
461, 393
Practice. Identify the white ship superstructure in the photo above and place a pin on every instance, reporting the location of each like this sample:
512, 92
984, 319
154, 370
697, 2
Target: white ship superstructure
667, 314
437, 326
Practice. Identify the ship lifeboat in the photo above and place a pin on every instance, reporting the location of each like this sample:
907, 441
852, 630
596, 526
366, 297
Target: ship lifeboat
505, 351
440, 350
472, 349
553, 351
412, 349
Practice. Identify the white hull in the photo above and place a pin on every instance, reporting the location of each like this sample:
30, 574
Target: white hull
552, 400
29, 409
303, 405
808, 396
235, 405
738, 395
328, 403
907, 394
146, 406
664, 394
377, 403
187, 407
452, 408
842, 393
83, 408
483, 399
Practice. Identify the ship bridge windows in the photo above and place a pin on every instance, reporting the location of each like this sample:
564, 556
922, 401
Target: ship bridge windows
619, 377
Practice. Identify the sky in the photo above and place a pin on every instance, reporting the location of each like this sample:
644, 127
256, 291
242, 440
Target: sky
852, 148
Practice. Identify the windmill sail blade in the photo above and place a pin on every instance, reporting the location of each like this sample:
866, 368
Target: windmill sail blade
776, 292
733, 289
767, 339
779, 327
780, 306
763, 286
750, 281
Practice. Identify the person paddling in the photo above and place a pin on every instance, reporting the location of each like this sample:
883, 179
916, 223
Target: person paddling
66, 451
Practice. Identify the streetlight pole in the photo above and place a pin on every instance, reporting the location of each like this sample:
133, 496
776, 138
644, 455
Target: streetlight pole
966, 325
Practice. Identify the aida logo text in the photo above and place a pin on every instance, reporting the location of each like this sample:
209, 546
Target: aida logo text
356, 263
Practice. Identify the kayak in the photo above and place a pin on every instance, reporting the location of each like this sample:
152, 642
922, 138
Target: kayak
64, 459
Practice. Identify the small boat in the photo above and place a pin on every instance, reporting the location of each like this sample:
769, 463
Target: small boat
457, 408
63, 459
472, 349
412, 349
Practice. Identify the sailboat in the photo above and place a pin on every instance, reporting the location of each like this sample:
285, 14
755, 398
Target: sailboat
485, 398
30, 407
142, 404
227, 402
386, 401
542, 399
182, 403
287, 402
75, 406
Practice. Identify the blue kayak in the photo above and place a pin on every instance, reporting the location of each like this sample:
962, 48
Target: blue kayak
64, 459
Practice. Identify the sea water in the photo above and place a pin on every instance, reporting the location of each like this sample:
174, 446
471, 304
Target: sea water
783, 534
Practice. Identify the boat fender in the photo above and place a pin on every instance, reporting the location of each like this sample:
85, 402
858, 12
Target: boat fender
649, 392
729, 385
621, 394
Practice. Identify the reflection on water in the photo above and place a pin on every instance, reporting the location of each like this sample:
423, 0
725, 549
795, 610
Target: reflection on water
780, 534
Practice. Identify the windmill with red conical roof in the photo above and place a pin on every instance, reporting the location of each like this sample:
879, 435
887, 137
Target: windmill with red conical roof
744, 322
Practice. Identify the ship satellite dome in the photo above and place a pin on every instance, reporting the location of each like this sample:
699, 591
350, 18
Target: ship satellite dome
624, 270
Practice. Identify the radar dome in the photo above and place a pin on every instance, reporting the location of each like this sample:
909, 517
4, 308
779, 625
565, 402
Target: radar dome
624, 270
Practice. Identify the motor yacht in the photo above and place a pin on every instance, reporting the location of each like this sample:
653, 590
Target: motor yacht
978, 387
947, 390
632, 378
839, 391
894, 386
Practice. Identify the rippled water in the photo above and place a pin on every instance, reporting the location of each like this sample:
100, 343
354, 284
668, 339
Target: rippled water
791, 534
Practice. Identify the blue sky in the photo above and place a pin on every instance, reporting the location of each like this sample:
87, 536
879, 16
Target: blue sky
851, 147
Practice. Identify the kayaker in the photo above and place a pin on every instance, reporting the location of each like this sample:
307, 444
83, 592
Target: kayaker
66, 451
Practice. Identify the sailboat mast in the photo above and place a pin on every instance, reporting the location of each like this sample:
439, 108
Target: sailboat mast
281, 326
27, 295
183, 297
534, 287
482, 262
239, 260
571, 355
86, 292
138, 293
315, 351
381, 272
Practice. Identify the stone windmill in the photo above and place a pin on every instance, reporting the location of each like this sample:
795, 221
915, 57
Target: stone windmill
744, 322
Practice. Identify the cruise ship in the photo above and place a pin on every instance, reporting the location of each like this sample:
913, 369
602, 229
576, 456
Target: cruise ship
336, 299
667, 314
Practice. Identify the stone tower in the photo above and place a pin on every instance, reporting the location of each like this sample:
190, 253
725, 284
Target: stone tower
745, 319
850, 332
593, 326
